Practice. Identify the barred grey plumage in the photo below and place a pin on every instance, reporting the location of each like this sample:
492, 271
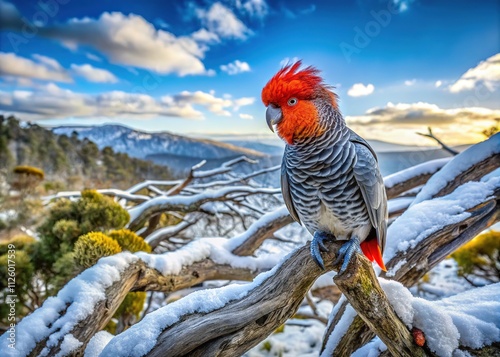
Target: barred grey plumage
330, 180
332, 184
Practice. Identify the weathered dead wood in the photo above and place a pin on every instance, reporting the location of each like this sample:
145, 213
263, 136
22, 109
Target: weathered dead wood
416, 262
104, 310
270, 304
262, 233
189, 204
140, 277
473, 173
362, 290
421, 175
398, 189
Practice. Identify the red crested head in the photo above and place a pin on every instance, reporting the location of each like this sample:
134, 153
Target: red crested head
289, 97
292, 82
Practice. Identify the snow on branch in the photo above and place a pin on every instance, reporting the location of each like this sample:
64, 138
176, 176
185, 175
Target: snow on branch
414, 176
432, 229
148, 183
470, 165
95, 294
204, 323
469, 319
108, 191
140, 213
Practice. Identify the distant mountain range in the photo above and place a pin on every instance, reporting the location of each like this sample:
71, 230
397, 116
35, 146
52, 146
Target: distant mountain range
181, 152
177, 152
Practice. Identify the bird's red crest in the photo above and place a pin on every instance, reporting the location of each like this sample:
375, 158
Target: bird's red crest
290, 81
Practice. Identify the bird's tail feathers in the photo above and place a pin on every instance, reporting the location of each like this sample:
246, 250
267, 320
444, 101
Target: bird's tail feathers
372, 251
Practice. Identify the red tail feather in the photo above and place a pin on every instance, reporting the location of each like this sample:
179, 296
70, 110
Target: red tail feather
371, 250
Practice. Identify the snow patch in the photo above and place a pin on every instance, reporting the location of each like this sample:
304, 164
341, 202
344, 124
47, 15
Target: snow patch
97, 343
470, 319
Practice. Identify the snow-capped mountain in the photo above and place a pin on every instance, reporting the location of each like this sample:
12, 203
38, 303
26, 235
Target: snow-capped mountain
142, 144
177, 152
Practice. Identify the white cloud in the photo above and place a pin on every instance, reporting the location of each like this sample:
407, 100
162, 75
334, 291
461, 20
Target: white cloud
50, 101
246, 116
43, 68
93, 74
223, 22
411, 82
399, 122
242, 102
438, 84
93, 57
256, 8
235, 67
359, 90
205, 36
129, 40
487, 73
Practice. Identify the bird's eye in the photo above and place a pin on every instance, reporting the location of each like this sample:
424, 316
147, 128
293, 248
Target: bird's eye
292, 101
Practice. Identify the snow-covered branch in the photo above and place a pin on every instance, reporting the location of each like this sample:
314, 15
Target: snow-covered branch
412, 177
140, 213
62, 322
449, 211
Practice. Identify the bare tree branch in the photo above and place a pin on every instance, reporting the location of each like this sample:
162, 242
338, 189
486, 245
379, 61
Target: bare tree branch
443, 145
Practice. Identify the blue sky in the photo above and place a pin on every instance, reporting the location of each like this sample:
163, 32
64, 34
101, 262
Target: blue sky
198, 67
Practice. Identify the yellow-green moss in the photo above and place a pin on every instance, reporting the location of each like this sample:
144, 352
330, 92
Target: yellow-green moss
92, 246
130, 241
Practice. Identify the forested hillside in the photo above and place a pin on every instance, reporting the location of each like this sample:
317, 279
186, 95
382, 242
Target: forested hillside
68, 160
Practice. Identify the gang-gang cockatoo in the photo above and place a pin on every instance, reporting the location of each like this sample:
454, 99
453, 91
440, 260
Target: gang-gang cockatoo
330, 178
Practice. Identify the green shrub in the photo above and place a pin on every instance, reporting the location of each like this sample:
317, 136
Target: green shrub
480, 257
29, 171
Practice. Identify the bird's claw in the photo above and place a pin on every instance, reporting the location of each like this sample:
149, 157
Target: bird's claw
346, 252
318, 246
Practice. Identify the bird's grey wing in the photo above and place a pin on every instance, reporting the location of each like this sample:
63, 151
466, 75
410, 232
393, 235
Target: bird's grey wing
285, 190
371, 183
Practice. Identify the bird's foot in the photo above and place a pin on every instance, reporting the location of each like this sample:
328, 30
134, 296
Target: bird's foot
318, 246
346, 252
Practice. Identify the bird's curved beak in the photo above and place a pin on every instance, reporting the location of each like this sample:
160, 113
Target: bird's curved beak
273, 116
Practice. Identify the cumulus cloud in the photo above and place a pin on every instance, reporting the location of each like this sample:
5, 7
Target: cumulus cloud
221, 21
205, 36
92, 74
457, 125
486, 73
410, 82
359, 90
235, 67
50, 101
44, 68
438, 83
124, 39
246, 116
